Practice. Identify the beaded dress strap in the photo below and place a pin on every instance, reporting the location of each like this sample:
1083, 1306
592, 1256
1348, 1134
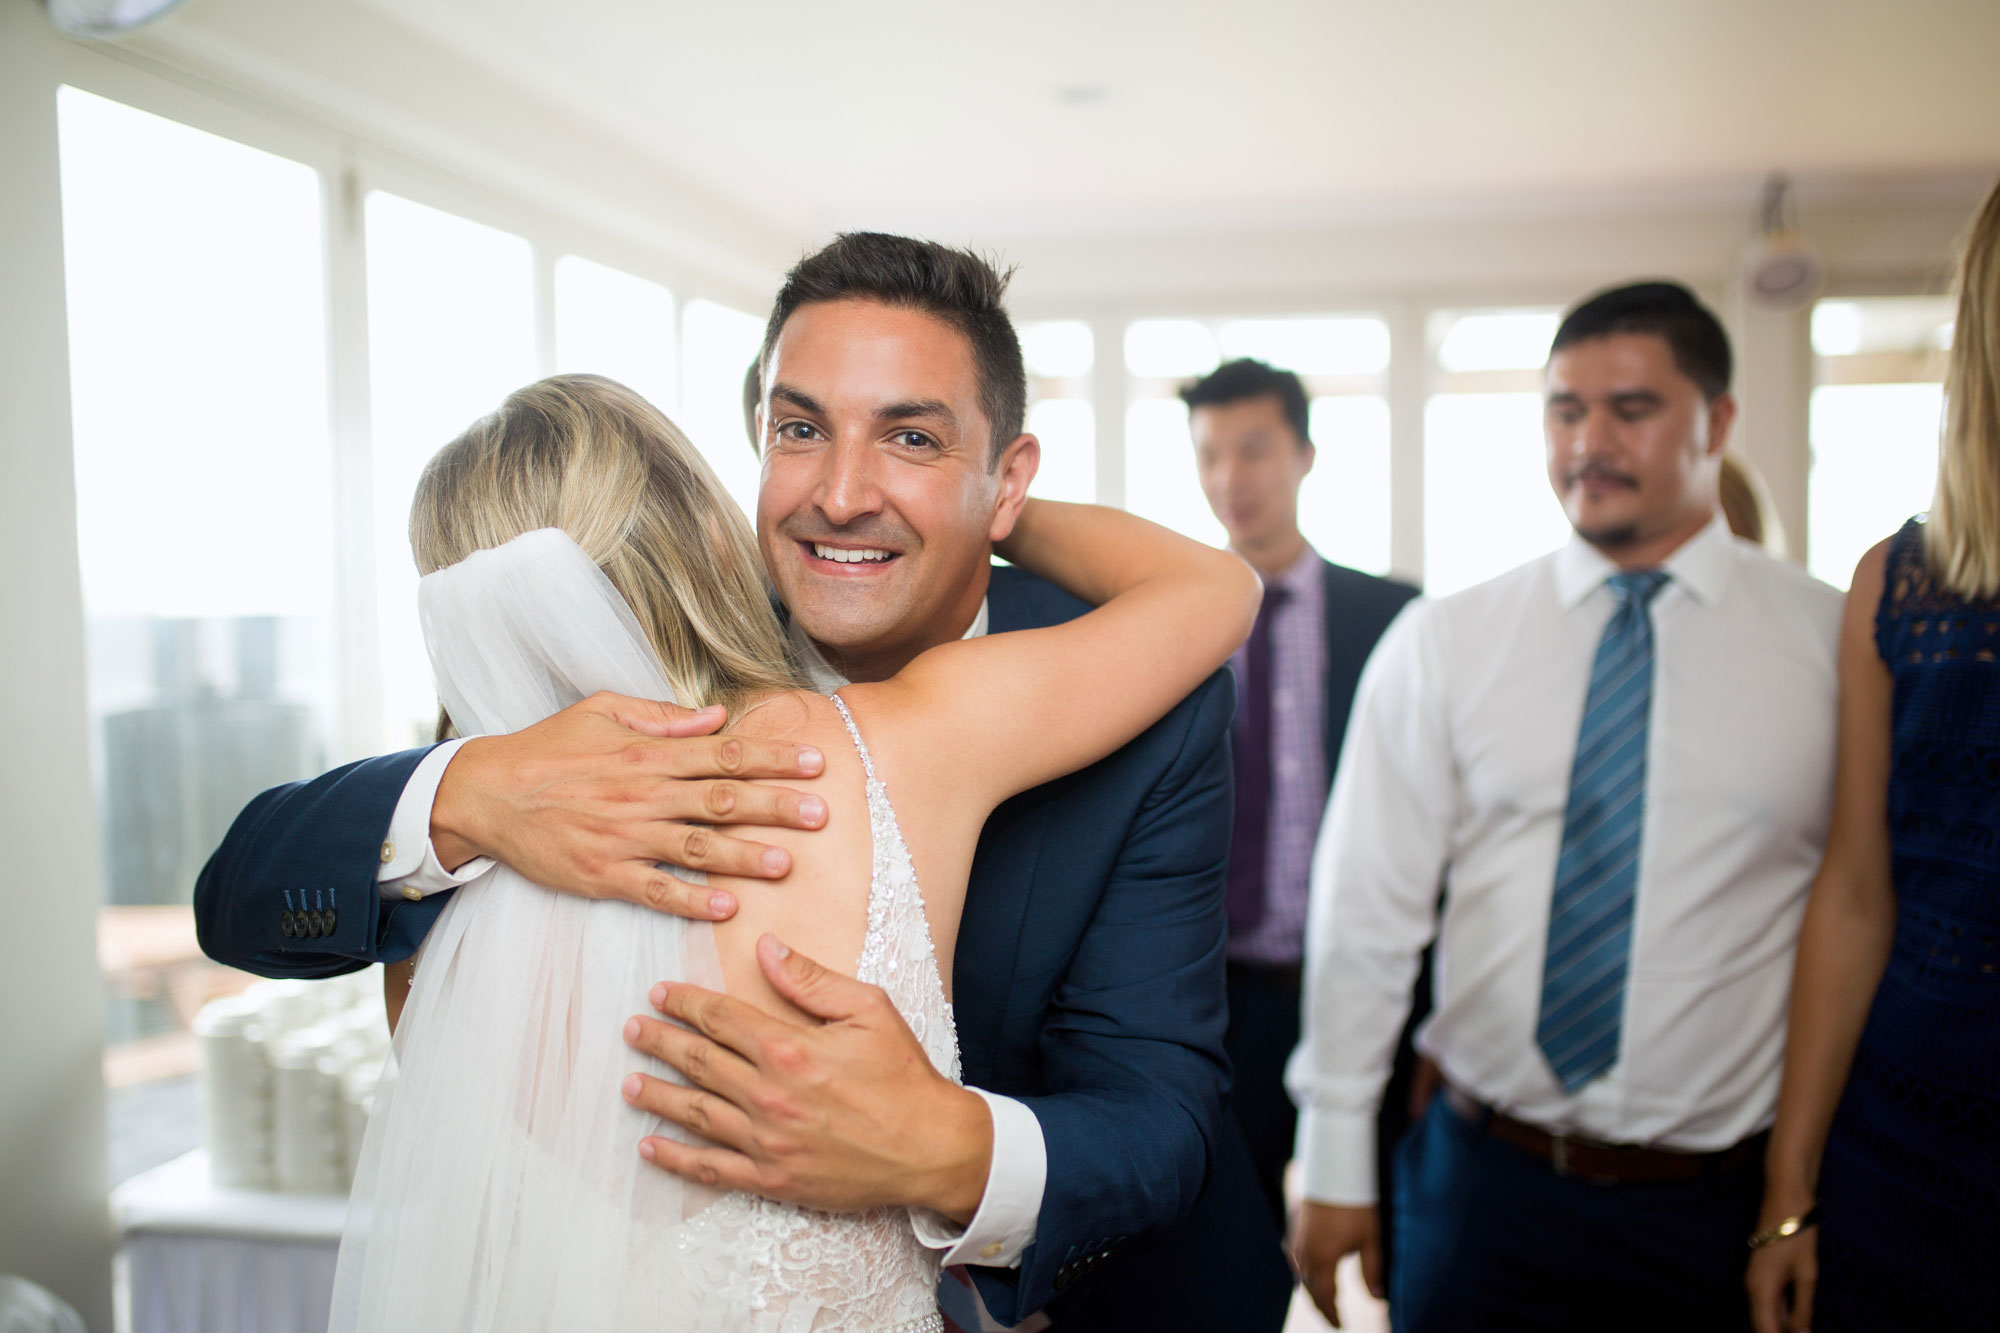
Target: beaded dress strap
867, 760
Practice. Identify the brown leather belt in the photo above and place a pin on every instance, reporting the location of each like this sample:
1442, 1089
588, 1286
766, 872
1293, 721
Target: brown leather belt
1601, 1163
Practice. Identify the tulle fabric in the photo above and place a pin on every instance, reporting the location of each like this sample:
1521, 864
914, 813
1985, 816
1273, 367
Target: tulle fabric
500, 1185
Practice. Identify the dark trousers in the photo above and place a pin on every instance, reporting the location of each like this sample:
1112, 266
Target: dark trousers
1492, 1240
1264, 1016
1263, 1029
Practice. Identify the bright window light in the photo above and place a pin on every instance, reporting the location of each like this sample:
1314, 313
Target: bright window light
451, 332
1347, 346
1067, 429
1511, 340
611, 323
718, 344
195, 271
198, 369
1913, 325
1874, 463
1160, 479
1169, 348
1487, 503
1058, 349
1344, 503
1836, 328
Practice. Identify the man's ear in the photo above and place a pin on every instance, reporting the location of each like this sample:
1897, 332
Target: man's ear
1721, 420
1019, 462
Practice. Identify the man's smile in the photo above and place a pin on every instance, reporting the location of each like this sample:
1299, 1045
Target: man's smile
846, 560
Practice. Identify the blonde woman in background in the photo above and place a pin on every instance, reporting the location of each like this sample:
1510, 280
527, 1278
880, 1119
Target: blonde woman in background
1882, 1200
576, 541
1744, 506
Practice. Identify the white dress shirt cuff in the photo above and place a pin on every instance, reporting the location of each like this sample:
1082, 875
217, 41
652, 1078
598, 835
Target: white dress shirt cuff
410, 865
1005, 1224
1336, 1151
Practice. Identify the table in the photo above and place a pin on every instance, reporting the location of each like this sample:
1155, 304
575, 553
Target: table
194, 1258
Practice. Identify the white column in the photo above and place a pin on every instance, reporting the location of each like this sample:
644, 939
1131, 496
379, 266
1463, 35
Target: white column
1773, 385
1107, 399
54, 1227
1409, 388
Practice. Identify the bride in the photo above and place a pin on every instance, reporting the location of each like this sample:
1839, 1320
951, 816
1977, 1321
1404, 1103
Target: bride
575, 541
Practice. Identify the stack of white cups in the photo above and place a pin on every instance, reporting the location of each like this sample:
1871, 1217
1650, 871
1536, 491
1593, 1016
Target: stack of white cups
290, 1069
236, 1092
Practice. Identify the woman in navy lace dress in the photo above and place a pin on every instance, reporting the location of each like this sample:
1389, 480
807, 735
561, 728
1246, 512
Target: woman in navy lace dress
1882, 1202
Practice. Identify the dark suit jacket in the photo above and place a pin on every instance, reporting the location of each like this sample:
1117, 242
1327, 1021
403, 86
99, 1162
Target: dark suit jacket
1359, 608
1090, 983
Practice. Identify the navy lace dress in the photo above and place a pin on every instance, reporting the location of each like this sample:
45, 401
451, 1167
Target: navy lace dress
1910, 1189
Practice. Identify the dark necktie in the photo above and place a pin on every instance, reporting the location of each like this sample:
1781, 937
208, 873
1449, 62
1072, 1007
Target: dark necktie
1597, 874
1245, 900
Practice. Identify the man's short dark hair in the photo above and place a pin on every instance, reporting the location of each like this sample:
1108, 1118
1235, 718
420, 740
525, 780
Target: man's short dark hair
1234, 381
1667, 310
959, 287
753, 398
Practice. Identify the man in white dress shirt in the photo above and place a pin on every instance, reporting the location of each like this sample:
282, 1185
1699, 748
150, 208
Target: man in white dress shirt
1619, 759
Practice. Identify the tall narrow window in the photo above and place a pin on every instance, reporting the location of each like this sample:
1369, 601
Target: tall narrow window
1342, 362
611, 323
1059, 355
204, 518
451, 332
1487, 502
1874, 421
718, 345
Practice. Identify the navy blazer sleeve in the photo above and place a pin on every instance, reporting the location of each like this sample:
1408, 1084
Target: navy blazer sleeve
291, 891
1132, 1062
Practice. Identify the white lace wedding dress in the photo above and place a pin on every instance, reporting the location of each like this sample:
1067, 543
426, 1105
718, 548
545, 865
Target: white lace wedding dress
500, 1186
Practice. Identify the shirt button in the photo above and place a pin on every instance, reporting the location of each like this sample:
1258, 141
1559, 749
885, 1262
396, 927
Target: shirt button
992, 1251
388, 852
414, 895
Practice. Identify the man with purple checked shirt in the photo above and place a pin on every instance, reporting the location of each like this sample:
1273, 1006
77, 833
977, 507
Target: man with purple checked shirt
1295, 684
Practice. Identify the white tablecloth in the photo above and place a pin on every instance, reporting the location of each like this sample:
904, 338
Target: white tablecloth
197, 1259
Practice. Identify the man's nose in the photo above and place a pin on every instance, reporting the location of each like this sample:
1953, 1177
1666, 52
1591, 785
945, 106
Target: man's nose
848, 488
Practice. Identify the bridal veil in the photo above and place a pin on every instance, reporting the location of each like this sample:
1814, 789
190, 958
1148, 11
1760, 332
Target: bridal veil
500, 1185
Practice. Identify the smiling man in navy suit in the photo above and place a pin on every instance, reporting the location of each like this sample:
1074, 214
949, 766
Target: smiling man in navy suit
1081, 1176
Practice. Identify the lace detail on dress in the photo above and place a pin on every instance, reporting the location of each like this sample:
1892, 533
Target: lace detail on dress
773, 1268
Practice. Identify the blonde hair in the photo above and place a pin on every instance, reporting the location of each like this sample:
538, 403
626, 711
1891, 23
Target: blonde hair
1742, 506
588, 455
1962, 538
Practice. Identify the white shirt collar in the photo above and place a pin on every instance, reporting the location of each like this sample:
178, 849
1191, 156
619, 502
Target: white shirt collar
1703, 565
821, 673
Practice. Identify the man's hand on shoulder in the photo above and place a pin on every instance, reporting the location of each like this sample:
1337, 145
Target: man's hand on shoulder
589, 801
1323, 1234
842, 1115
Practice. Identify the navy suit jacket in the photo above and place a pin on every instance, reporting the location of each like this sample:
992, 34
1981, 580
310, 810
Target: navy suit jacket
1088, 981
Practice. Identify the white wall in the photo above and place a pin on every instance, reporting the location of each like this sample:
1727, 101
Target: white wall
54, 1227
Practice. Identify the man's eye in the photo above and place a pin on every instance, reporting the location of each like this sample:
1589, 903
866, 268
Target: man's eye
914, 439
795, 430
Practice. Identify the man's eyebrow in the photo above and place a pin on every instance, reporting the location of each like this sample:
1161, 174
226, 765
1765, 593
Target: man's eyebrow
929, 409
1567, 397
805, 402
1635, 398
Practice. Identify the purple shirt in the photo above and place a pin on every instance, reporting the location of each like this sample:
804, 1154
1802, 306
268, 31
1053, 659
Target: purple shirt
1298, 764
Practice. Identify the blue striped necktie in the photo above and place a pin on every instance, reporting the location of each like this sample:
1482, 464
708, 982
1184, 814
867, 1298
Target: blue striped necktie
1597, 875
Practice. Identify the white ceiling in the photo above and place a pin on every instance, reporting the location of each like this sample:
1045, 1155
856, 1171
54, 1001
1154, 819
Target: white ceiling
1167, 116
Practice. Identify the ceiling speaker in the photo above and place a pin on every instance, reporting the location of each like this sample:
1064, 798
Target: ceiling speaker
1780, 271
105, 18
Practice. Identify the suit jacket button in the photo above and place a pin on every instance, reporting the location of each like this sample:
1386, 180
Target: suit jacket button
288, 924
388, 852
331, 919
